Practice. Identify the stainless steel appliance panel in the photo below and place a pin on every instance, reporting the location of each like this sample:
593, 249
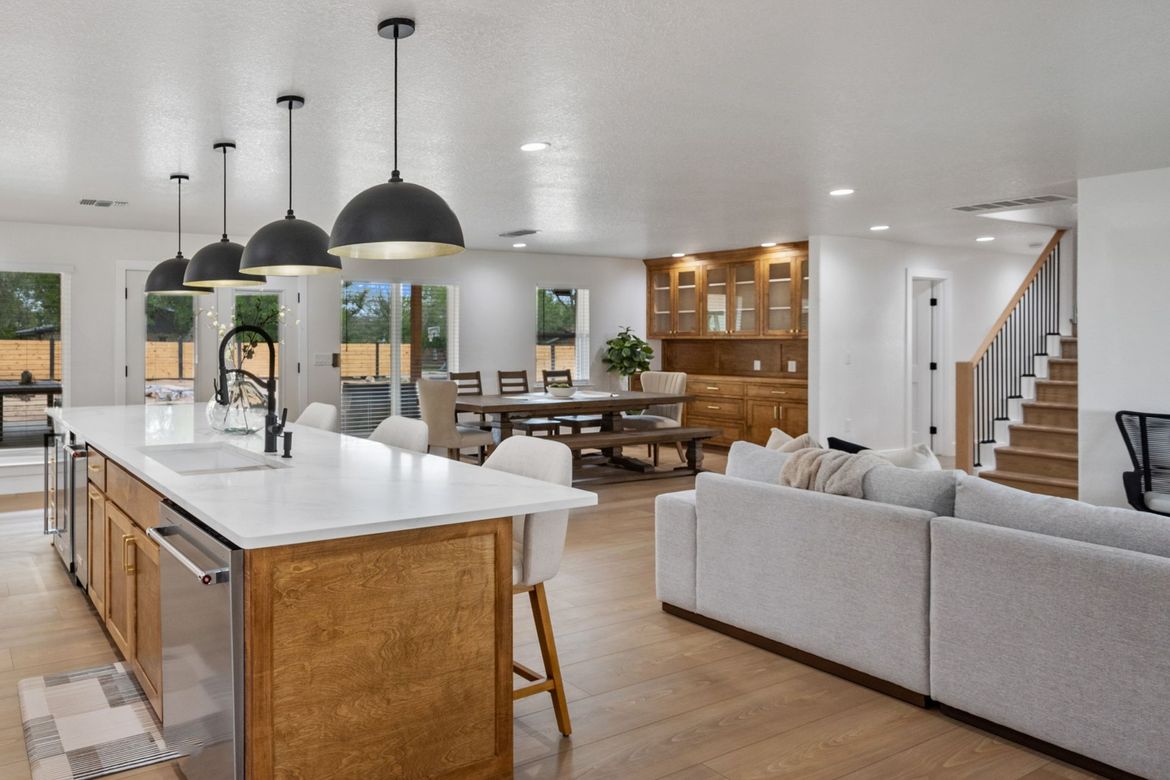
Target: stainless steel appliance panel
203, 647
77, 511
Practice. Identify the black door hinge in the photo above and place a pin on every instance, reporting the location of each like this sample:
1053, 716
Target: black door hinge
934, 301
933, 366
127, 371
298, 367
127, 292
933, 430
298, 297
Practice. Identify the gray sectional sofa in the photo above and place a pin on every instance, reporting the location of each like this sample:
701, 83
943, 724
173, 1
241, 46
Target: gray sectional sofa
1047, 617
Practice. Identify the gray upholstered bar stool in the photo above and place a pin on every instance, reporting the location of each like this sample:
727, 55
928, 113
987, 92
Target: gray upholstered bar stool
538, 542
662, 415
436, 401
319, 415
403, 433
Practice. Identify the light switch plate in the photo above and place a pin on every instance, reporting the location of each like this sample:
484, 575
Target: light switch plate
755, 365
792, 366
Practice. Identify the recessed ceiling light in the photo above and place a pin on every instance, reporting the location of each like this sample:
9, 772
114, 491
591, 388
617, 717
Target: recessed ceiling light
535, 146
879, 227
841, 192
768, 244
678, 254
983, 239
519, 245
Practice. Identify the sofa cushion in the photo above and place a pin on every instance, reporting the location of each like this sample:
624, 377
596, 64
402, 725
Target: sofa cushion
845, 446
751, 461
802, 442
777, 439
987, 502
919, 457
933, 491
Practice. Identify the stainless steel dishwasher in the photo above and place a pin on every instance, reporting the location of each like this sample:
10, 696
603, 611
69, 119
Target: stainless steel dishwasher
202, 587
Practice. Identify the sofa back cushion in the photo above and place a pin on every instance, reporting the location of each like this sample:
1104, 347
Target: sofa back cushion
933, 491
751, 461
986, 502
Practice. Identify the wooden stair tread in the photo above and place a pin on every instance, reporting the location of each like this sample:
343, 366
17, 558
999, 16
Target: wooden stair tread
1042, 428
1062, 360
1049, 405
1032, 452
1016, 476
1057, 382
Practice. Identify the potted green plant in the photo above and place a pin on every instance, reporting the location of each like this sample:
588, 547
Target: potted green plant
626, 354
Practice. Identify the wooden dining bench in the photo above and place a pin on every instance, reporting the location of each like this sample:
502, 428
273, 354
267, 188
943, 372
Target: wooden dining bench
611, 443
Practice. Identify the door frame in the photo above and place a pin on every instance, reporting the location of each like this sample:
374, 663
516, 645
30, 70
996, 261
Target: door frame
944, 416
122, 268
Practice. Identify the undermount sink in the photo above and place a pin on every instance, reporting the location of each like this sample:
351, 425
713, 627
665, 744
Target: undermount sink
209, 458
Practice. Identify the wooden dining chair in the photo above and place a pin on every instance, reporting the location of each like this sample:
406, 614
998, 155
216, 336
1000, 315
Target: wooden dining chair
516, 383
574, 422
469, 383
538, 545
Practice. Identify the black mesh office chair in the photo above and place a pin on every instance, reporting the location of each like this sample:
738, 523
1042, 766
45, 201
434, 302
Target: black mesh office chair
1147, 437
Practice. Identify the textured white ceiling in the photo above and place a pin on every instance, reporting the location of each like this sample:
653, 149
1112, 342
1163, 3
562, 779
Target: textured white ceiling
676, 125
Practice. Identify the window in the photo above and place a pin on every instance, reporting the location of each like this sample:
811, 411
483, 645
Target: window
31, 354
392, 335
562, 332
170, 350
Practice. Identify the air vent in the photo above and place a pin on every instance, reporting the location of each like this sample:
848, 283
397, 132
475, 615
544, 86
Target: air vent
999, 205
101, 203
519, 233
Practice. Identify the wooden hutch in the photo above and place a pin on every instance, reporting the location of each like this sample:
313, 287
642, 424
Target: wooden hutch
737, 323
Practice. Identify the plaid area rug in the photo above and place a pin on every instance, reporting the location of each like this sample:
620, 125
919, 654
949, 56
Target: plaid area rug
87, 724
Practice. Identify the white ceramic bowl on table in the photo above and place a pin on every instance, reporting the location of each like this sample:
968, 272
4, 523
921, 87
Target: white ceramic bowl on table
561, 392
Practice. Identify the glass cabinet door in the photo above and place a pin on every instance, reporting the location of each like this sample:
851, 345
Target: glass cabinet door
661, 311
715, 300
744, 299
778, 295
687, 302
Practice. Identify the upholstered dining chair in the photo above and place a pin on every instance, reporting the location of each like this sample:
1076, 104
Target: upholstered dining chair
436, 401
538, 543
574, 422
660, 416
319, 415
516, 383
403, 433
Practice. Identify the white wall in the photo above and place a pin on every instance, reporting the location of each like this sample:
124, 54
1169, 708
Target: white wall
860, 319
1123, 296
497, 297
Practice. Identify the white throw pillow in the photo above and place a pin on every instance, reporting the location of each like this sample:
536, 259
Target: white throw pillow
802, 442
778, 439
919, 457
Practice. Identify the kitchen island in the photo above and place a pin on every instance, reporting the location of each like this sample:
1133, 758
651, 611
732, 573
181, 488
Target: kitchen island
369, 593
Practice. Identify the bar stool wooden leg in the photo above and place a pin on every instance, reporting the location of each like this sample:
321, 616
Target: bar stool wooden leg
552, 682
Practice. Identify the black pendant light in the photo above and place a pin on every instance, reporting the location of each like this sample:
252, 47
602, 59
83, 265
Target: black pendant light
166, 278
289, 246
396, 220
218, 264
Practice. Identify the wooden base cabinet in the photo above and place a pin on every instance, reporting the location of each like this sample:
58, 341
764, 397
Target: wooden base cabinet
124, 570
747, 408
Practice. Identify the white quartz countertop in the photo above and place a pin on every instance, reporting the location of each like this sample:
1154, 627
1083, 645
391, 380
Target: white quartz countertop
334, 487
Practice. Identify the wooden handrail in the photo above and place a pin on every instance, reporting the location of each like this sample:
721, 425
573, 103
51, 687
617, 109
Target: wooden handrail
1007, 312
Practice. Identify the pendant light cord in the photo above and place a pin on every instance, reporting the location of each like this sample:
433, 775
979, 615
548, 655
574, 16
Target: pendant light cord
290, 185
396, 176
180, 250
224, 149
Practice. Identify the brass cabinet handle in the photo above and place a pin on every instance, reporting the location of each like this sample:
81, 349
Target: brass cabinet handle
94, 467
127, 565
711, 406
775, 412
709, 387
779, 392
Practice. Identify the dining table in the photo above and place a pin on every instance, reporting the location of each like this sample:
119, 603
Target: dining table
608, 406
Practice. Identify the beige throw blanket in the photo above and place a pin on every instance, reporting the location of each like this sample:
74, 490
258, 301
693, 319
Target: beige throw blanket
829, 471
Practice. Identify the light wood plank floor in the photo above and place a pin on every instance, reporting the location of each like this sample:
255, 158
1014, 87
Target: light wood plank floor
651, 696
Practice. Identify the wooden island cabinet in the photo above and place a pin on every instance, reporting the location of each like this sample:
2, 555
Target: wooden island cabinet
737, 323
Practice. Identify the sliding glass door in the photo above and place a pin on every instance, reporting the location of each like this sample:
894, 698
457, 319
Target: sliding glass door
391, 335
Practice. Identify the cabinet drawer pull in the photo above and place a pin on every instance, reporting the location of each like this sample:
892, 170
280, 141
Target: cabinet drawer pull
779, 392
95, 468
713, 406
127, 560
712, 387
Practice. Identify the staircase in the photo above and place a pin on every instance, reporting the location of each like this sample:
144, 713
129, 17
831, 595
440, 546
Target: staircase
1016, 399
1041, 455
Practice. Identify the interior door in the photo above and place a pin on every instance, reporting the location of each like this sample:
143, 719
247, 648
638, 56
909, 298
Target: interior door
923, 390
